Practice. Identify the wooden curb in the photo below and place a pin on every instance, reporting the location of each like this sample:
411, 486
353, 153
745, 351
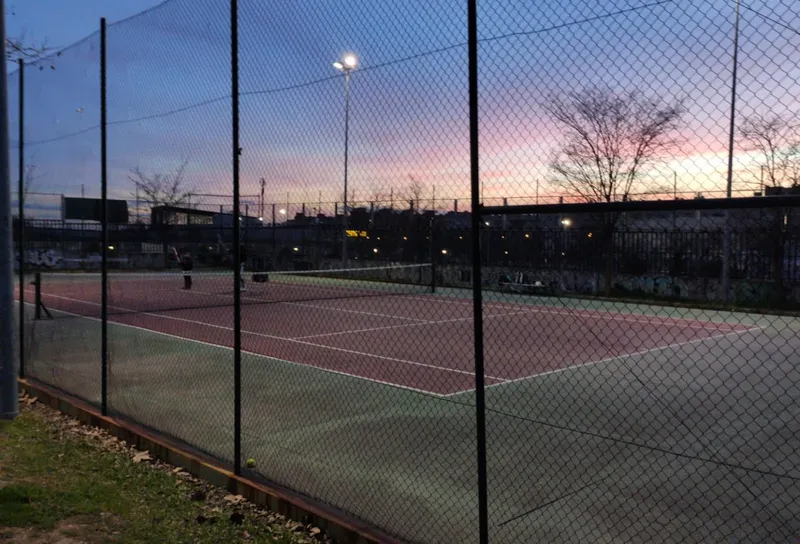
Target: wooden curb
338, 525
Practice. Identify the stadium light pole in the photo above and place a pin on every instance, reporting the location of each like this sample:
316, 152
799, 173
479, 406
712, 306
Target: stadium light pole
346, 65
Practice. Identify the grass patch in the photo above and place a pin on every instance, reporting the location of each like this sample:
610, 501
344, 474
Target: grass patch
58, 478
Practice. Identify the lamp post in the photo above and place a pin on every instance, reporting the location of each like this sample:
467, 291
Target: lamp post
346, 65
726, 242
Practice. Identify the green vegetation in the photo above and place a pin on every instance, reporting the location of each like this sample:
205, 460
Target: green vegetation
61, 481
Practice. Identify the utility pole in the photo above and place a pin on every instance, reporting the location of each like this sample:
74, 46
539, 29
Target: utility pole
726, 242
261, 211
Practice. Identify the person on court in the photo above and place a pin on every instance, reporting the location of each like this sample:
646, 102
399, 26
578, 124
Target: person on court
187, 264
242, 261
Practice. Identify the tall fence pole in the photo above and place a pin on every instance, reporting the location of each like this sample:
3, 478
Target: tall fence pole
726, 242
346, 149
9, 388
433, 248
477, 294
104, 222
237, 287
274, 240
21, 216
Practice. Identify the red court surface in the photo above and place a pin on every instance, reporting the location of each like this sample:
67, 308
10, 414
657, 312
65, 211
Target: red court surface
422, 342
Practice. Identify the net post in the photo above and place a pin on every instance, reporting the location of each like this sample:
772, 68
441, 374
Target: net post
237, 303
21, 216
104, 224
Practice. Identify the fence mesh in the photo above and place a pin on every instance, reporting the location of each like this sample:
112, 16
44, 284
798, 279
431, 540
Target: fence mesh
639, 357
169, 111
389, 125
62, 152
644, 412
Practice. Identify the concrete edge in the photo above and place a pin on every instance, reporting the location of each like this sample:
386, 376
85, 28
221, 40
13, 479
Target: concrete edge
338, 525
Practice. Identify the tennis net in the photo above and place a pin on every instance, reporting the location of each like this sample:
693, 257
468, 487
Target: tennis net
137, 292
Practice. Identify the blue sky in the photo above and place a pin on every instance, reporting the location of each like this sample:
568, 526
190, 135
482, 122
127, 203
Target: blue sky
169, 90
59, 23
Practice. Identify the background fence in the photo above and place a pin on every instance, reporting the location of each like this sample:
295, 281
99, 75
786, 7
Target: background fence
512, 272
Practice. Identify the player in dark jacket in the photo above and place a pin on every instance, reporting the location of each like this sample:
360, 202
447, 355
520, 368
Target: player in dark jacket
187, 264
242, 261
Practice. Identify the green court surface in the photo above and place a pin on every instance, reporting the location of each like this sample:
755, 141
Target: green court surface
694, 442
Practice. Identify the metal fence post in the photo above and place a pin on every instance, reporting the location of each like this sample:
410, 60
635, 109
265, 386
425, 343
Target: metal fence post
104, 222
237, 294
477, 294
21, 216
434, 256
9, 388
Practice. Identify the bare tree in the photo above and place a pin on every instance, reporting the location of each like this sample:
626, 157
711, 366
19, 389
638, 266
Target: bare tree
609, 139
777, 139
162, 189
19, 47
28, 178
414, 192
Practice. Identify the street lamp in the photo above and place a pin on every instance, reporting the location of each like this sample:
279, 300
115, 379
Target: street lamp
346, 65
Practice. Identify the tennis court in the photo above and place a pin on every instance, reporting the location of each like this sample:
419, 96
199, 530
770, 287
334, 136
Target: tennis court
357, 387
382, 324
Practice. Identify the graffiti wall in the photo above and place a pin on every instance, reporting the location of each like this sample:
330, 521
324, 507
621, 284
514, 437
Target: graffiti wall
50, 259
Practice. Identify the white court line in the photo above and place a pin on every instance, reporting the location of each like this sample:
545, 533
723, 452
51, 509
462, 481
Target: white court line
260, 355
550, 310
281, 338
609, 359
589, 314
360, 312
405, 325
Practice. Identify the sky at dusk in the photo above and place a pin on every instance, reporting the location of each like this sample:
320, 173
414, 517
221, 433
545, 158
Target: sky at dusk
169, 97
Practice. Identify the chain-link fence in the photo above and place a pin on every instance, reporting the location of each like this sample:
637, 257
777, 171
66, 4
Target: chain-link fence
461, 272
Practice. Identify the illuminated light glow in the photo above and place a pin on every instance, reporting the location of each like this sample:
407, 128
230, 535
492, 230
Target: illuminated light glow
348, 63
444, 252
